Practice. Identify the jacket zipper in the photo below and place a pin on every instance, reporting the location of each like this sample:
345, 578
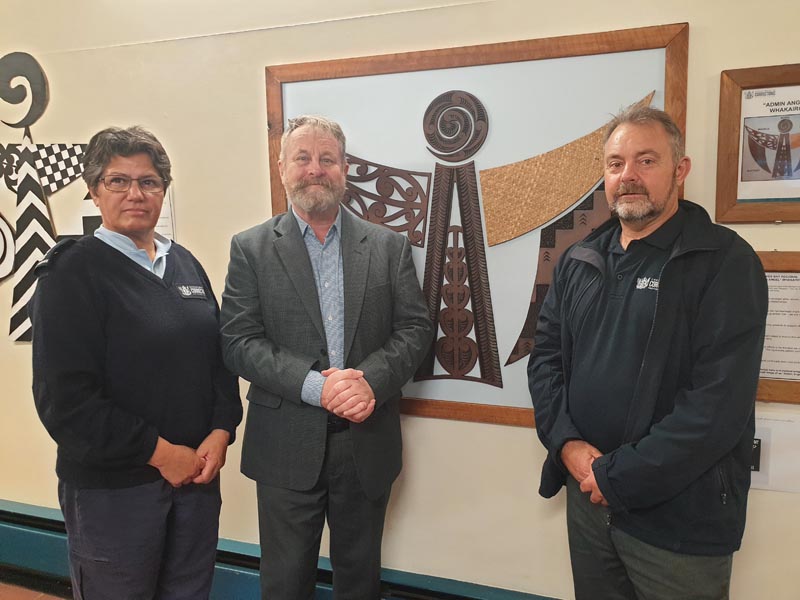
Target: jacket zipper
670, 258
655, 312
723, 486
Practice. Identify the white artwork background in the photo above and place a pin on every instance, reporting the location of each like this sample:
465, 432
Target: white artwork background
533, 107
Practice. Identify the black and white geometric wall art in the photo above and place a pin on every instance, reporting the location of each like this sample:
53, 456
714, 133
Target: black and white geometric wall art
33, 173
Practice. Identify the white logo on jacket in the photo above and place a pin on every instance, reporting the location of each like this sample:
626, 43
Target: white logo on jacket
647, 283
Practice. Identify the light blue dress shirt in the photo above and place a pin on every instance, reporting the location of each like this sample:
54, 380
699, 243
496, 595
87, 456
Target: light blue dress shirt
326, 262
125, 245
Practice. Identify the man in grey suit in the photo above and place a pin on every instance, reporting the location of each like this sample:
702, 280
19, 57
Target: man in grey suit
323, 314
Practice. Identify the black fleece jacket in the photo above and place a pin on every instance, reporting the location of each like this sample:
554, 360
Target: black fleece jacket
121, 357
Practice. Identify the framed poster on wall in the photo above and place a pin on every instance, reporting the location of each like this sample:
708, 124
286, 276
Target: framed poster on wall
758, 157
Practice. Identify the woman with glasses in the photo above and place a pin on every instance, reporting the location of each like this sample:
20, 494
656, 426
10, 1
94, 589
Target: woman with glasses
128, 380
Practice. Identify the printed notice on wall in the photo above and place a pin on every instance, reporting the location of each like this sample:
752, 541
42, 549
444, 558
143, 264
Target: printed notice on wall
775, 448
781, 359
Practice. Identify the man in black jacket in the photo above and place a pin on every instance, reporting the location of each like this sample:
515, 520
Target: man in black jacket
643, 378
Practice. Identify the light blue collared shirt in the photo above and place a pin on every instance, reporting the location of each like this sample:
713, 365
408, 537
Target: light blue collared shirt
125, 245
326, 262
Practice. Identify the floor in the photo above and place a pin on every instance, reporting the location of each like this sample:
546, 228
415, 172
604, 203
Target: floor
13, 592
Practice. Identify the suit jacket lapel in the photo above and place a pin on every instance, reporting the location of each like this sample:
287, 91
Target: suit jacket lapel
293, 254
355, 258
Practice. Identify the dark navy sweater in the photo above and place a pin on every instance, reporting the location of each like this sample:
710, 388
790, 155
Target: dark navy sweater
121, 357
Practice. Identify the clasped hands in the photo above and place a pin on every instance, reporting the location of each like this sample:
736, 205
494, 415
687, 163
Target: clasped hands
347, 394
578, 457
181, 465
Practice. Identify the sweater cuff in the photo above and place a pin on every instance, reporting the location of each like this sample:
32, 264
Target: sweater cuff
148, 446
227, 422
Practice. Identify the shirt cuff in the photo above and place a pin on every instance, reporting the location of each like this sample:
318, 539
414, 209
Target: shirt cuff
312, 388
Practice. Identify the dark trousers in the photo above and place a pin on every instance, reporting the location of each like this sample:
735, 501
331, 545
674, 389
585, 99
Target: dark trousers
148, 542
609, 564
291, 523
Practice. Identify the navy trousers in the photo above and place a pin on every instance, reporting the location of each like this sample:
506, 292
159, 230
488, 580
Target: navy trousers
148, 542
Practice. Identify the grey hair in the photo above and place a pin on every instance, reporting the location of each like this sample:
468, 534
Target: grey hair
115, 141
645, 115
317, 122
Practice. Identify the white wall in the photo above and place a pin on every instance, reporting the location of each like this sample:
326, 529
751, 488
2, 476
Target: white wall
465, 506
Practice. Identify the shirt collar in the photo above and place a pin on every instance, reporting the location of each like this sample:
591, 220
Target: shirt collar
126, 244
304, 227
665, 236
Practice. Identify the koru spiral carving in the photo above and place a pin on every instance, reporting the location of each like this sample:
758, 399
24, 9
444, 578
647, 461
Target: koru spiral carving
455, 126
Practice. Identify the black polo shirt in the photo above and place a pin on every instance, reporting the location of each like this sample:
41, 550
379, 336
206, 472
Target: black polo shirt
610, 341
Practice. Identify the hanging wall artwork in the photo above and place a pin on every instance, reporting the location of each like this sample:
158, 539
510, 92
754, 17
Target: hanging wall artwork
34, 174
489, 158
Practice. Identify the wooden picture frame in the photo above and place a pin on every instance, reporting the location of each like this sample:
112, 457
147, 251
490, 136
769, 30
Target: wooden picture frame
778, 390
729, 209
674, 39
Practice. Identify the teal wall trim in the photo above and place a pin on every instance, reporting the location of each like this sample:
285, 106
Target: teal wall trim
236, 547
26, 547
30, 510
461, 589
234, 582
33, 549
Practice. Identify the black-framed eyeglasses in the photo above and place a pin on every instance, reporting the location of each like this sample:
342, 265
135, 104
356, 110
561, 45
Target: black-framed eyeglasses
122, 183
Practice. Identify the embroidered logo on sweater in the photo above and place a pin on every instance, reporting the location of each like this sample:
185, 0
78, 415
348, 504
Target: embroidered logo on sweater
191, 291
647, 283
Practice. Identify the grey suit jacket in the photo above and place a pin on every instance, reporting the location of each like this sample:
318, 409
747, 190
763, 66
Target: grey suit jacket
272, 335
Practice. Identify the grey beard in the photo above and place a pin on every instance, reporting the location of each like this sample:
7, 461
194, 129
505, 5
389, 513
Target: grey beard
634, 212
640, 211
314, 203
